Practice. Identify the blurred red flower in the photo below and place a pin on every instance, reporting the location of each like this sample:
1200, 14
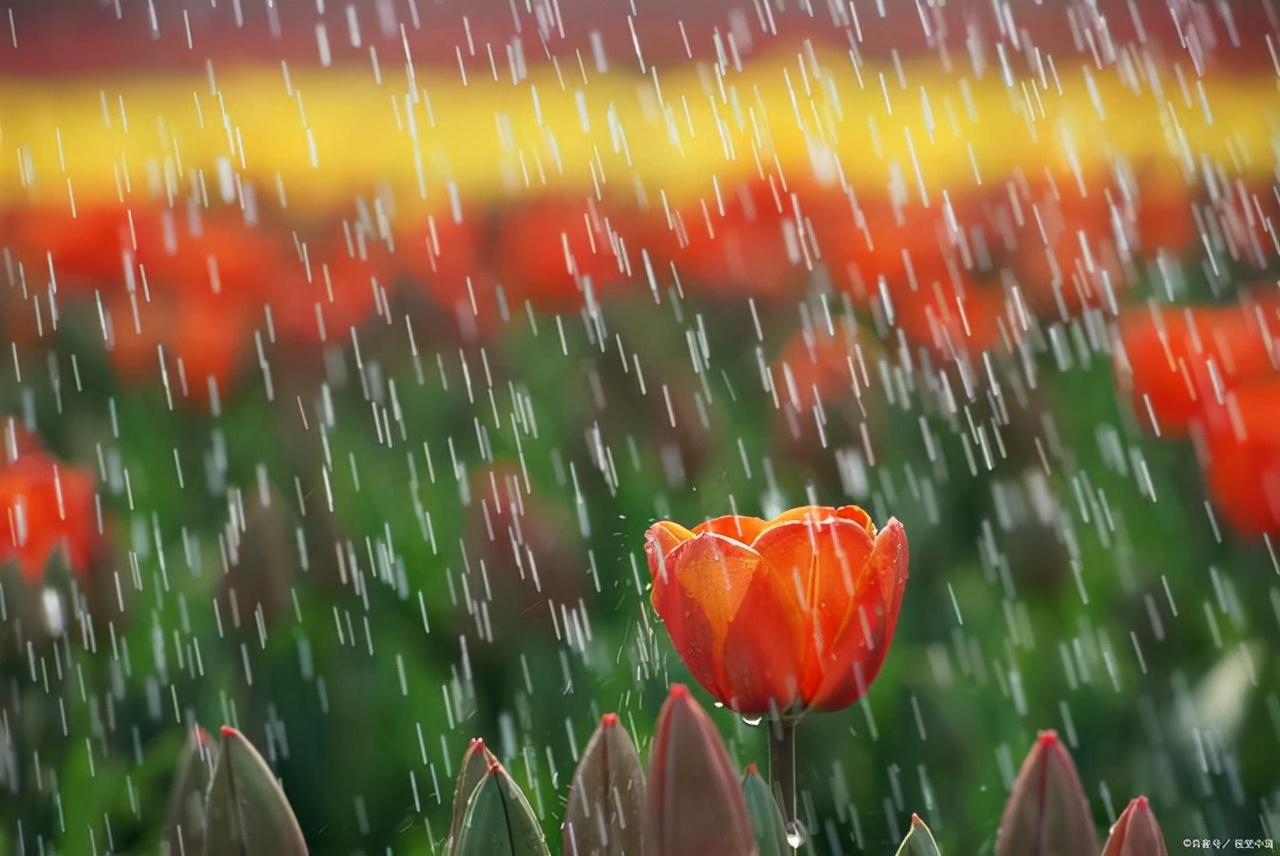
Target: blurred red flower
1214, 372
746, 240
45, 506
781, 615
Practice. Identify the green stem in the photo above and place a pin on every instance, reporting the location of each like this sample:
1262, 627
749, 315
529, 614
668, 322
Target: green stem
782, 774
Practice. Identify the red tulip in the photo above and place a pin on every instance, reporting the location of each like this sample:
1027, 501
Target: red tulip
1136, 833
1047, 813
1241, 454
44, 507
547, 252
782, 615
1181, 358
694, 804
745, 241
904, 243
1215, 372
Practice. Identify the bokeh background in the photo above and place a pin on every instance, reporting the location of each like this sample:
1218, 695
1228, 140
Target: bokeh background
350, 348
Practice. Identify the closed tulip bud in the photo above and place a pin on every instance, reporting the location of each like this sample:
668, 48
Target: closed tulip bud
471, 772
1136, 833
778, 616
186, 827
919, 840
694, 804
247, 813
1047, 813
499, 820
605, 814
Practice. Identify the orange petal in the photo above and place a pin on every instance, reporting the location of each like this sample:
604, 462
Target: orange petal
765, 647
819, 513
739, 527
661, 538
847, 669
707, 579
822, 562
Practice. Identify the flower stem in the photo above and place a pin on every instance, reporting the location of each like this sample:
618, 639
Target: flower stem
782, 773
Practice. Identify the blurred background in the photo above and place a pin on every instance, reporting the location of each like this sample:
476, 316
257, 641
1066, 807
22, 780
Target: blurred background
351, 347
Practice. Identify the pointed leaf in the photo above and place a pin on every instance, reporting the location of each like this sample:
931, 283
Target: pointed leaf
247, 812
766, 818
1047, 813
471, 772
184, 835
1136, 832
605, 814
919, 840
499, 821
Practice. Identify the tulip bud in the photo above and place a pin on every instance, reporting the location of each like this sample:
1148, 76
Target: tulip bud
766, 818
1047, 813
605, 814
499, 821
475, 765
919, 840
694, 803
186, 826
1136, 833
247, 813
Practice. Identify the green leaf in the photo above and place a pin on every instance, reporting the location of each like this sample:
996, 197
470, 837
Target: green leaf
248, 814
471, 772
766, 818
499, 821
185, 829
605, 813
919, 840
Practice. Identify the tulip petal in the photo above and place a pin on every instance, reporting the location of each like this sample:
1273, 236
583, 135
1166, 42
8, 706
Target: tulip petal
823, 562
705, 583
660, 539
764, 647
739, 527
845, 671
820, 513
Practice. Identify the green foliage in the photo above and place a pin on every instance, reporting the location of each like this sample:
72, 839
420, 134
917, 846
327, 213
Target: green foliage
499, 821
919, 840
766, 818
247, 813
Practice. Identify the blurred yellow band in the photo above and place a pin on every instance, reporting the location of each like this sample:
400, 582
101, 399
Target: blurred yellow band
322, 137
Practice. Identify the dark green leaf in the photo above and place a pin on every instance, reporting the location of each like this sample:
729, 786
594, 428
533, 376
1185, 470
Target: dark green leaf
248, 813
184, 834
499, 821
471, 772
766, 818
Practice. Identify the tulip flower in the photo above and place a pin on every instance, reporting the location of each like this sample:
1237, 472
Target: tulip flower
1047, 813
45, 507
1212, 372
783, 615
746, 241
1179, 359
1136, 833
693, 804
